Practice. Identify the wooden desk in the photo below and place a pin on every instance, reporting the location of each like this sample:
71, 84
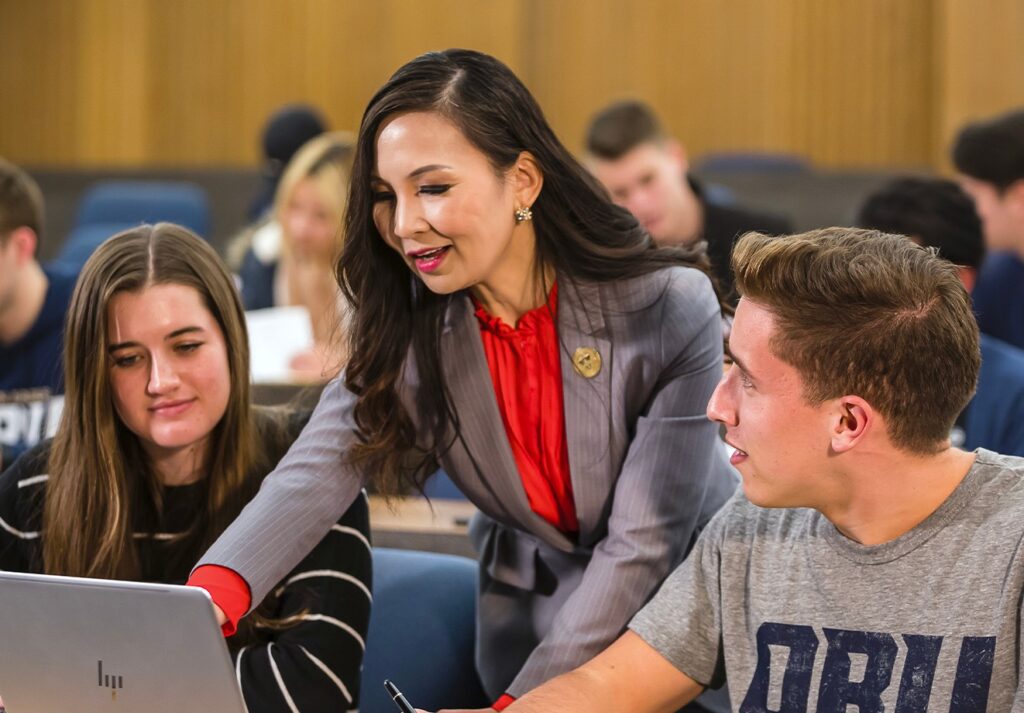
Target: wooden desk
414, 523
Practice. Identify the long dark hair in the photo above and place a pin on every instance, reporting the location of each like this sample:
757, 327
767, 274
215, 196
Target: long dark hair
580, 233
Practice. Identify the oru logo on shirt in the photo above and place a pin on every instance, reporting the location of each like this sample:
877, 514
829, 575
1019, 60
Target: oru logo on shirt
27, 417
859, 668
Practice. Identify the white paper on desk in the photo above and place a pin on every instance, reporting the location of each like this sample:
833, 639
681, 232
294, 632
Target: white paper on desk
276, 335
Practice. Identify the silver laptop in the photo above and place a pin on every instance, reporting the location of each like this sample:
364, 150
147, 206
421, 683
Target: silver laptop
98, 646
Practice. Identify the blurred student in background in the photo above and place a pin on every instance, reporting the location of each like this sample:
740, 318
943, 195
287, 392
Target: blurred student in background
937, 214
159, 449
33, 301
646, 171
284, 133
989, 156
291, 258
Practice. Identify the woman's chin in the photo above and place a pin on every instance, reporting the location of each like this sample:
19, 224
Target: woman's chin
443, 284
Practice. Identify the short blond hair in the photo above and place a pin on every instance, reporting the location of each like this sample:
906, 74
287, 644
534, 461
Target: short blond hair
867, 313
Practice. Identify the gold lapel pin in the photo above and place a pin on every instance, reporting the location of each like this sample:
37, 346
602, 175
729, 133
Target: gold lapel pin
587, 362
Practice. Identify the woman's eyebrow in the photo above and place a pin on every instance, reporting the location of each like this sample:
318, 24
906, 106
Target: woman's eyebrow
183, 330
172, 335
427, 169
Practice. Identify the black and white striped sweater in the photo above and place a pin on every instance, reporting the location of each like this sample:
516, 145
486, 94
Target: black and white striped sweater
309, 667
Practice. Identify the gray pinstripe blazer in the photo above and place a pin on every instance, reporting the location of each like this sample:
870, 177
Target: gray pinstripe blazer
646, 466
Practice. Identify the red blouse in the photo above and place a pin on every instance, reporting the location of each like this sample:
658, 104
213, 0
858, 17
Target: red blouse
527, 376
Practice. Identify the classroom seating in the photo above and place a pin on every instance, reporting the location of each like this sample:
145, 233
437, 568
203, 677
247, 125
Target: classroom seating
108, 207
422, 627
753, 161
134, 202
440, 486
82, 241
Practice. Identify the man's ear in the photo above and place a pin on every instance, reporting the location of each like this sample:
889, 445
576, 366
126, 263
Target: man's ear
968, 276
24, 241
527, 179
854, 418
678, 153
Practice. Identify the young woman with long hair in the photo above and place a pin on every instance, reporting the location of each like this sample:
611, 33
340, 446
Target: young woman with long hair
513, 325
159, 449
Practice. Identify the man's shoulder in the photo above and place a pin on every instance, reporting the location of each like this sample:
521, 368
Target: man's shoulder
744, 218
991, 497
1002, 473
1002, 359
1000, 389
1001, 264
60, 288
46, 336
1001, 275
724, 223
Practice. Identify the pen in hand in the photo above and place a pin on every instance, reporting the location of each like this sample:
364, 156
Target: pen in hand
398, 698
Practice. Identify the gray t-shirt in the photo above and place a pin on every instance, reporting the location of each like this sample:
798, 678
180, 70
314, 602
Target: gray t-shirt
798, 617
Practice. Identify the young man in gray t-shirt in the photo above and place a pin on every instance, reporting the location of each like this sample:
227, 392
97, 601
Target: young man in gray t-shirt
867, 565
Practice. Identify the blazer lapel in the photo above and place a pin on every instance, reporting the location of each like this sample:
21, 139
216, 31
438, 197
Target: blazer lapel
586, 401
473, 399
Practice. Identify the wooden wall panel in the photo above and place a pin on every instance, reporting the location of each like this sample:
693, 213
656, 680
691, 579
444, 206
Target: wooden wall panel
189, 82
981, 53
132, 82
39, 92
112, 74
860, 75
819, 78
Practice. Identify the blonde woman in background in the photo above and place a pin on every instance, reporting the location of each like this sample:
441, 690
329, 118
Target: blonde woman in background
290, 259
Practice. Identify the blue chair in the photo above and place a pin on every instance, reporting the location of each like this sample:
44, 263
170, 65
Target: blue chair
82, 241
439, 486
133, 202
422, 627
718, 194
752, 161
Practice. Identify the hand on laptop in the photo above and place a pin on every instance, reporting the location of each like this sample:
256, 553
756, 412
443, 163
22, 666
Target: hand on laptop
221, 621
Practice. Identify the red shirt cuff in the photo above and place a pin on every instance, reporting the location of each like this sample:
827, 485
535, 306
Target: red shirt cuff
504, 702
228, 590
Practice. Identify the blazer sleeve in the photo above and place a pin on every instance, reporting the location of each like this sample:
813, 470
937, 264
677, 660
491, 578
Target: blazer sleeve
673, 478
314, 665
298, 502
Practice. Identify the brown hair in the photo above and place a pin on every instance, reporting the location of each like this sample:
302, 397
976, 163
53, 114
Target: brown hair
99, 480
621, 127
866, 313
21, 202
992, 150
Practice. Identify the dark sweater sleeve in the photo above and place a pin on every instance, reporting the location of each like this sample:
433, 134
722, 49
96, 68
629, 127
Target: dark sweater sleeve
21, 499
315, 664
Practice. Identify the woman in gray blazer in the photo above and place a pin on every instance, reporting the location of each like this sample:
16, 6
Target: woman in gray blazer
465, 208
